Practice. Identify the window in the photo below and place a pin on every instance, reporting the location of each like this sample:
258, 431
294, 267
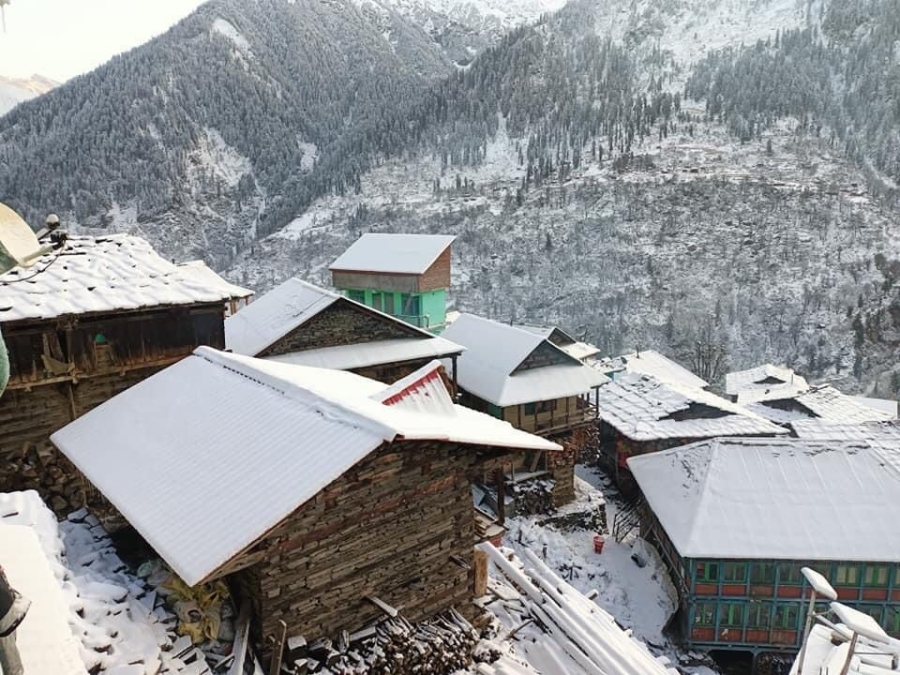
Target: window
707, 571
378, 301
762, 573
732, 614
357, 296
389, 303
876, 575
846, 575
735, 572
412, 305
759, 614
705, 614
529, 408
786, 615
540, 407
875, 611
892, 619
789, 574
495, 410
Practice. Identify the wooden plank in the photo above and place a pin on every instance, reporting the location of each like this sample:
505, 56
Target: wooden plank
383, 606
481, 573
241, 640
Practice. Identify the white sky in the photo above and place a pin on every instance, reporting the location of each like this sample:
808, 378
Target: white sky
63, 38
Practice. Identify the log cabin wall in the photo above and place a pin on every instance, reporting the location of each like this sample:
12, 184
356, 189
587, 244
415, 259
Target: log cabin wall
338, 325
62, 368
387, 528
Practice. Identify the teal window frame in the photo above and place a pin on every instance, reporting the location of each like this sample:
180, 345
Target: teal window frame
411, 304
846, 575
731, 615
759, 615
786, 616
875, 611
789, 574
708, 572
877, 575
734, 573
763, 573
357, 296
705, 614
892, 619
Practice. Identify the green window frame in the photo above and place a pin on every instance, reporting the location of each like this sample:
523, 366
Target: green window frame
846, 575
731, 615
789, 574
708, 571
411, 304
762, 573
378, 301
759, 615
705, 614
734, 573
876, 575
357, 296
875, 611
786, 616
892, 619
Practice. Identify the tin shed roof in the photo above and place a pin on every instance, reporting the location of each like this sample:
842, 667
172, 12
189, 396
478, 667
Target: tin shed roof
393, 253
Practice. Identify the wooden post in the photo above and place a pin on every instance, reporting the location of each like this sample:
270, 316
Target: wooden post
810, 615
500, 484
846, 668
481, 573
278, 650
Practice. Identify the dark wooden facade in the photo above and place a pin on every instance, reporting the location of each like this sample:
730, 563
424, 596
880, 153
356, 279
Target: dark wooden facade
347, 323
61, 368
399, 526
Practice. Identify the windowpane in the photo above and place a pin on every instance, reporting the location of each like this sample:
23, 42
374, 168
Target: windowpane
760, 615
789, 574
762, 573
732, 614
875, 611
707, 571
876, 575
892, 619
529, 408
378, 301
847, 575
785, 616
705, 614
358, 296
735, 572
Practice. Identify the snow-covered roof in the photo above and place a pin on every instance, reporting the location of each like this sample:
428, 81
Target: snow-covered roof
494, 351
828, 646
884, 405
574, 348
782, 499
830, 404
265, 437
118, 272
761, 378
814, 429
393, 253
46, 644
203, 275
643, 408
650, 362
290, 305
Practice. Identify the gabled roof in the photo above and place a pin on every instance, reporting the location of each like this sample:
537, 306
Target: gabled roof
494, 351
643, 408
392, 253
764, 377
782, 499
828, 403
203, 275
650, 362
90, 275
263, 437
556, 335
285, 308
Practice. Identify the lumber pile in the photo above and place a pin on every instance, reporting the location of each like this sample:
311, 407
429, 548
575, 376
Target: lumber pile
533, 497
441, 646
585, 638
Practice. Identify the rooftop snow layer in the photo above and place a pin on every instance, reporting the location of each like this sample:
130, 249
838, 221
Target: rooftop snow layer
494, 351
46, 644
205, 415
643, 408
393, 253
290, 305
871, 432
105, 274
829, 404
763, 377
203, 275
774, 499
649, 362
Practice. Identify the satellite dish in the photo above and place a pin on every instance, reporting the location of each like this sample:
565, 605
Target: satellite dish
19, 246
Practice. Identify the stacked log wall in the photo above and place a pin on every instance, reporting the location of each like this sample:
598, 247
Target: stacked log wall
390, 528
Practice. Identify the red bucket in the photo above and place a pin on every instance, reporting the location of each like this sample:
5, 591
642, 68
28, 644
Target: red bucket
598, 544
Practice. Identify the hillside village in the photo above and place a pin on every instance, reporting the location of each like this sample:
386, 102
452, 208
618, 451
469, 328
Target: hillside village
360, 479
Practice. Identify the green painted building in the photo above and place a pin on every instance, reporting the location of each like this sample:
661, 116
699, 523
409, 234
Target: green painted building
736, 519
404, 275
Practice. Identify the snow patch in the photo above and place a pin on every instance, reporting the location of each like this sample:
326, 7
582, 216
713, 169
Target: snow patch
310, 155
225, 162
227, 30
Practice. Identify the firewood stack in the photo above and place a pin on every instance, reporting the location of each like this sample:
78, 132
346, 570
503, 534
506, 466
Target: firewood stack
533, 496
441, 646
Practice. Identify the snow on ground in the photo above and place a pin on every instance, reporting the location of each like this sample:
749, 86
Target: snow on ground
229, 32
220, 159
117, 623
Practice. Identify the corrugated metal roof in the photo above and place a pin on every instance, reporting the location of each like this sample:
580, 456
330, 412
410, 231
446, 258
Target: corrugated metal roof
221, 438
753, 379
641, 407
393, 253
783, 499
822, 430
104, 274
494, 351
650, 362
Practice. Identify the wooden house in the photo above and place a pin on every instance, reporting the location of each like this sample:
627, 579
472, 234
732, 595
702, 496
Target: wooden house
521, 377
404, 275
84, 323
640, 414
301, 324
736, 519
320, 496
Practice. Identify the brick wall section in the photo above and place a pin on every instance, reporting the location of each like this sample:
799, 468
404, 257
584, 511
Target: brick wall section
438, 275
386, 528
340, 324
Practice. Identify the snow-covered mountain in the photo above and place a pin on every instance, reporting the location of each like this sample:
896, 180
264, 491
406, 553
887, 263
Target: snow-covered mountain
15, 90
